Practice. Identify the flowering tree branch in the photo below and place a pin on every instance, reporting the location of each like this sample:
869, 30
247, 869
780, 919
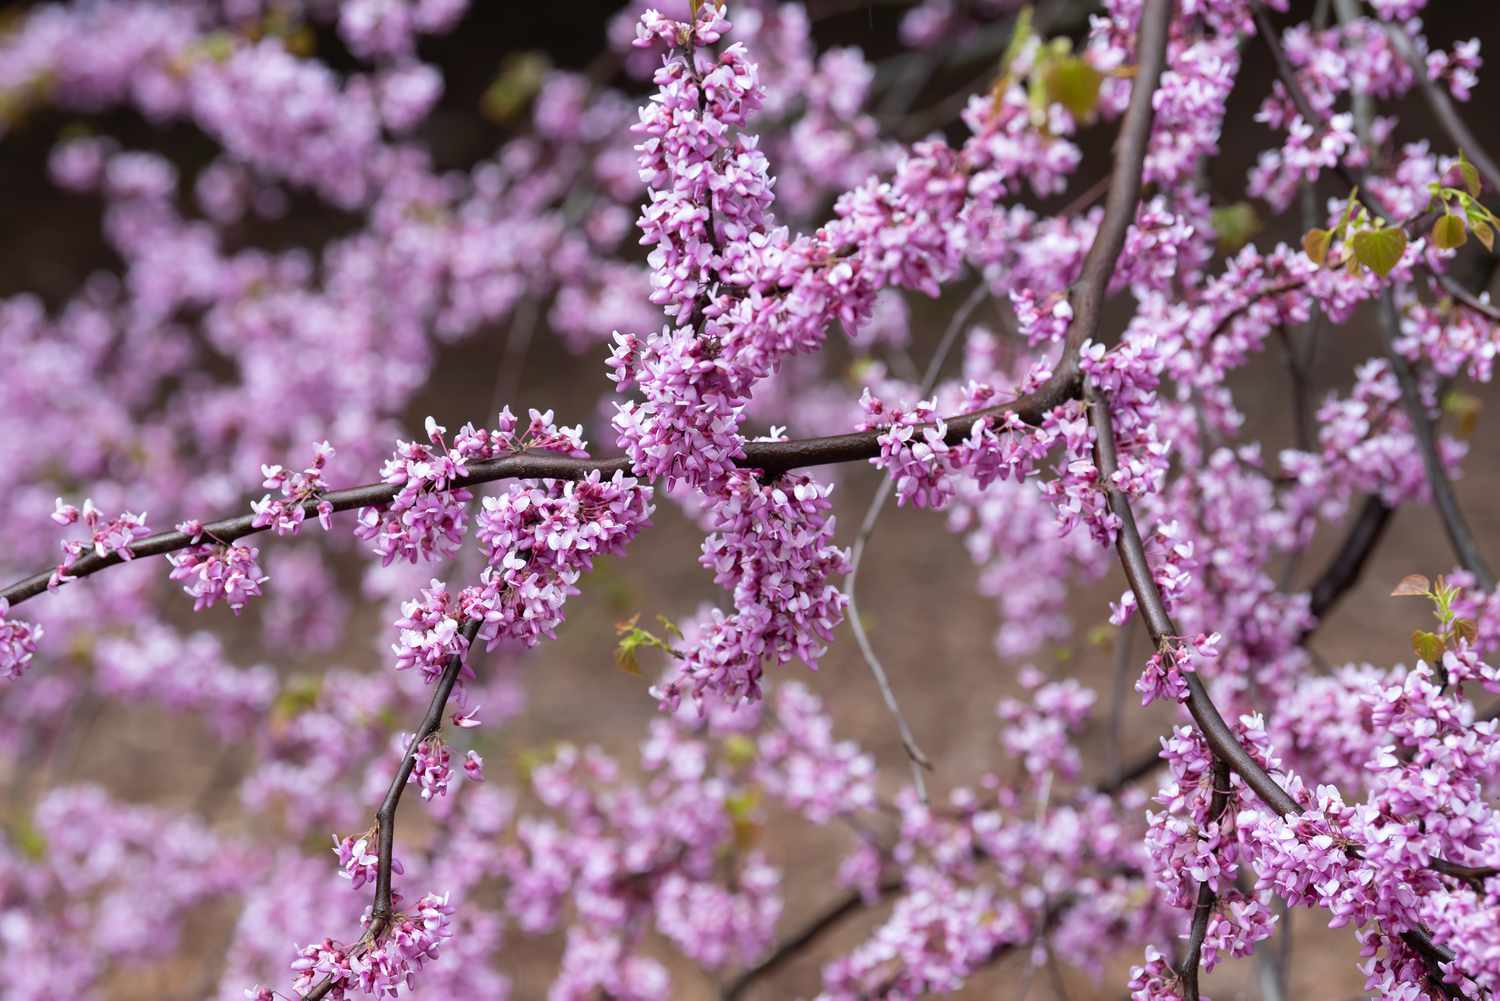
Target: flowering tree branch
1133, 443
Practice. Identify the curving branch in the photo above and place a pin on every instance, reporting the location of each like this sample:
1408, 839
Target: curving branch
787, 949
772, 458
1454, 523
919, 759
1210, 722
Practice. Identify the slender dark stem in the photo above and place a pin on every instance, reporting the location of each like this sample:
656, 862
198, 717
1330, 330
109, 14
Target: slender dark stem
1203, 908
1460, 536
788, 948
1454, 288
771, 458
381, 912
1221, 739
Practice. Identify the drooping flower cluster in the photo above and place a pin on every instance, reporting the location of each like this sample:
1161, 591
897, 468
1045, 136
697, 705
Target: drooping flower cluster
285, 514
771, 546
382, 969
211, 572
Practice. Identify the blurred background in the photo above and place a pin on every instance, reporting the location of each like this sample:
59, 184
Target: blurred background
934, 630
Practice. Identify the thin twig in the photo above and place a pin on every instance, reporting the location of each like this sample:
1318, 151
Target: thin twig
1210, 722
1344, 570
919, 759
1460, 536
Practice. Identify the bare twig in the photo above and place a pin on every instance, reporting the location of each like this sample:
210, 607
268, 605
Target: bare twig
1349, 562
919, 759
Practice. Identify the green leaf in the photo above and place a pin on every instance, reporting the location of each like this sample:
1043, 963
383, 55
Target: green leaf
295, 698
1074, 83
1449, 232
1379, 249
1234, 225
669, 626
30, 842
1316, 244
1464, 629
1470, 175
1428, 646
742, 804
1412, 586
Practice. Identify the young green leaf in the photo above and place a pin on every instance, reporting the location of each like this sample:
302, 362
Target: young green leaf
1074, 83
1428, 646
1449, 232
1379, 249
1464, 408
1234, 225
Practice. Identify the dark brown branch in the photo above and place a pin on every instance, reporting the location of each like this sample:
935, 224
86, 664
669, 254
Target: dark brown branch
1344, 570
382, 911
1460, 536
1444, 499
1132, 553
1454, 288
1474, 875
771, 458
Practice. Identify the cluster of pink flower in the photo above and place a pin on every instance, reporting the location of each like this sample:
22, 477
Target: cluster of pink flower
106, 535
285, 514
408, 943
211, 572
